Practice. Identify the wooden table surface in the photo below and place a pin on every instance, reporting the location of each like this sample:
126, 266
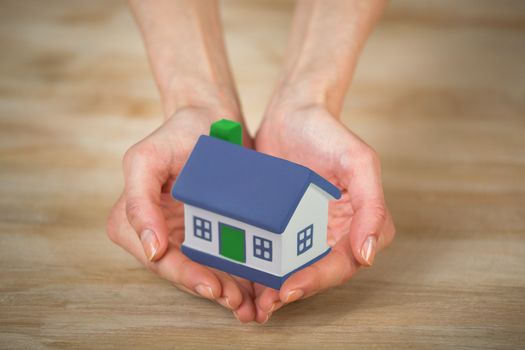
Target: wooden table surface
439, 92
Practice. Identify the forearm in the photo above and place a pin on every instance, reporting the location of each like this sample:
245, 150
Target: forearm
325, 42
186, 50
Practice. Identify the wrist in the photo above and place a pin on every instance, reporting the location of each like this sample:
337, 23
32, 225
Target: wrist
199, 93
292, 96
196, 119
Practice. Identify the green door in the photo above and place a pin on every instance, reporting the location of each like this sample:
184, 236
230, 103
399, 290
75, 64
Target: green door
232, 242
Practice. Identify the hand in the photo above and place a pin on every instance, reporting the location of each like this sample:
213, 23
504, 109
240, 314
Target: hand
359, 223
149, 224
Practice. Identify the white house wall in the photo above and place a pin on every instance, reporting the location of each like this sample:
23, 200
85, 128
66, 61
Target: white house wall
313, 209
273, 267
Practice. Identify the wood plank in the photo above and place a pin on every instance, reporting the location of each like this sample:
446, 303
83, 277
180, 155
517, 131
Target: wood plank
439, 93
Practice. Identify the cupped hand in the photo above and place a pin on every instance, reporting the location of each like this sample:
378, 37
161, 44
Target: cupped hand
149, 224
359, 223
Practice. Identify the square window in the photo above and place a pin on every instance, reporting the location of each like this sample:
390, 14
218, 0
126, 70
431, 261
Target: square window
202, 228
305, 239
262, 248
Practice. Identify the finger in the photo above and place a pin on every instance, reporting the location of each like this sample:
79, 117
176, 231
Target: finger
365, 230
370, 211
174, 267
145, 173
231, 296
266, 302
246, 284
177, 268
334, 269
246, 310
387, 234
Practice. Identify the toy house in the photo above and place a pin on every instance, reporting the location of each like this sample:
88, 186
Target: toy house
250, 214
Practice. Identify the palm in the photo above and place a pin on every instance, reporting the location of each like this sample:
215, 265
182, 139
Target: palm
322, 144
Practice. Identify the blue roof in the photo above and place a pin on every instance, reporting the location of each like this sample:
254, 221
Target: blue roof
245, 185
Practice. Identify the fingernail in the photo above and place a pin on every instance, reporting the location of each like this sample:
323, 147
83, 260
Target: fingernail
272, 309
225, 302
236, 316
331, 242
368, 251
205, 291
150, 243
267, 318
293, 295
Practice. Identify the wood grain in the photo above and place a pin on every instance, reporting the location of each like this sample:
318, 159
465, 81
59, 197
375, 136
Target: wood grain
439, 92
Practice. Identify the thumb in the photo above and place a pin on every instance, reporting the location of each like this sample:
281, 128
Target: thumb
145, 174
365, 231
370, 210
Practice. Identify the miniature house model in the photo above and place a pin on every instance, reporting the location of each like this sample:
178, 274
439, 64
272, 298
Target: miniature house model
250, 214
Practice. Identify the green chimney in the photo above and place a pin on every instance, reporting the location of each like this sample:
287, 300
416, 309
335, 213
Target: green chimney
227, 130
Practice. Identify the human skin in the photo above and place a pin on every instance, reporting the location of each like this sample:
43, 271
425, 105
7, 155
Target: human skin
186, 51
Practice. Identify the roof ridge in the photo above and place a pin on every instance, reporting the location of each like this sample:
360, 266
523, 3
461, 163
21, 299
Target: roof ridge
246, 185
